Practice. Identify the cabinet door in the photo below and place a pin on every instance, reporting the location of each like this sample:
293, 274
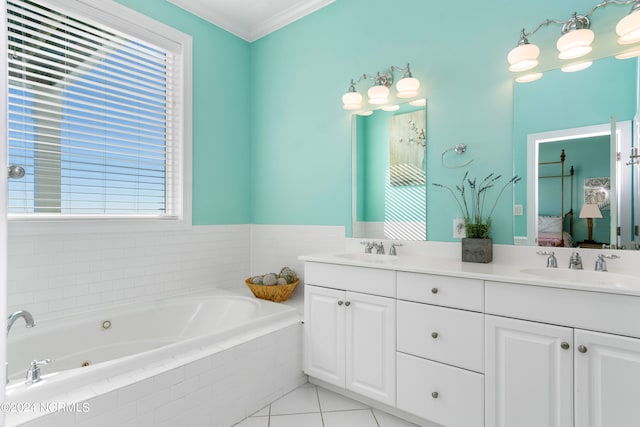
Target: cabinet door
324, 338
528, 374
371, 346
607, 385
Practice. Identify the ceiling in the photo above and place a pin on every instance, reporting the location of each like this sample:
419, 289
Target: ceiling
251, 19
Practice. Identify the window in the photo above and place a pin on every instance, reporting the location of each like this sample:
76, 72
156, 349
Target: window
96, 108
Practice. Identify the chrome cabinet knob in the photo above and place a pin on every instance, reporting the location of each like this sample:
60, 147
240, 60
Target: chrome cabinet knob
434, 394
340, 302
348, 303
565, 346
434, 335
582, 349
434, 290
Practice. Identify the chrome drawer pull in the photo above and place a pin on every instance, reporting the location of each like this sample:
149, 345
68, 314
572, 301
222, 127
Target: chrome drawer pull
564, 346
434, 290
340, 302
434, 394
582, 349
434, 335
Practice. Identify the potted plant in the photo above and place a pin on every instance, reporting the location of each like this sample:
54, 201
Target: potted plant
471, 198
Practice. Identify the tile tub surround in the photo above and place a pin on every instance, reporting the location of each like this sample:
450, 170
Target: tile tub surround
204, 390
52, 275
312, 406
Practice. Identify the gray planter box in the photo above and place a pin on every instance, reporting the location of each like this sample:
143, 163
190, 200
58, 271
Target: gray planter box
477, 250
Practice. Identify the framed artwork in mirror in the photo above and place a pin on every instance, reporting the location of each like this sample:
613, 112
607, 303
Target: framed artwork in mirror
596, 191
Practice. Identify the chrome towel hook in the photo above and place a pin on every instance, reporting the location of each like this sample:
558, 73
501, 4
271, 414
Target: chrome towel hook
458, 149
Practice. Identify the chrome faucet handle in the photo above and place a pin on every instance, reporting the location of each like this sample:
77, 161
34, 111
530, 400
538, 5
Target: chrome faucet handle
601, 264
552, 261
392, 250
368, 247
33, 373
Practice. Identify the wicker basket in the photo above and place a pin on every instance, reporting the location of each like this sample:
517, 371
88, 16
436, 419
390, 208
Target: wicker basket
275, 293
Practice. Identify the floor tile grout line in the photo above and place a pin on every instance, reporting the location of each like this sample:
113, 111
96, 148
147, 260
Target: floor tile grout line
319, 405
374, 417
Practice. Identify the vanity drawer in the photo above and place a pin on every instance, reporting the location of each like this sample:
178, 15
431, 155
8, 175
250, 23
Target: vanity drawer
596, 311
447, 335
358, 279
440, 393
448, 291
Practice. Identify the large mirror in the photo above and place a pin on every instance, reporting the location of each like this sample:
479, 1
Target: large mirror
579, 183
389, 173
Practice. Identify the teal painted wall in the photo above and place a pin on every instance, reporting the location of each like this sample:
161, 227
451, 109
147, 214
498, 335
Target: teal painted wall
567, 100
457, 50
221, 118
272, 144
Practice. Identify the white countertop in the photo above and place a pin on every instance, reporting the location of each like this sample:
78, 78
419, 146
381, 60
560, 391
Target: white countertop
537, 275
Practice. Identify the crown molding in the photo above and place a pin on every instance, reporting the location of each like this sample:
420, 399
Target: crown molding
255, 32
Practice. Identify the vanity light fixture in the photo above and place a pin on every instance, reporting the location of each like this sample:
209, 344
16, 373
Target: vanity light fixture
378, 94
531, 77
418, 102
577, 66
391, 107
629, 54
365, 113
575, 41
628, 29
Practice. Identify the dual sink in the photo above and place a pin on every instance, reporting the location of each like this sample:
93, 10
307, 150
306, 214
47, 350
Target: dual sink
585, 277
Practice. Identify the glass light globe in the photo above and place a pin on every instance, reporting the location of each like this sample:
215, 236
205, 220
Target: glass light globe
523, 57
629, 54
628, 28
391, 107
351, 100
575, 43
527, 78
418, 102
408, 87
572, 68
378, 95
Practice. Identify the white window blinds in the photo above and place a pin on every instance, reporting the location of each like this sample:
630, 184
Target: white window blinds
90, 118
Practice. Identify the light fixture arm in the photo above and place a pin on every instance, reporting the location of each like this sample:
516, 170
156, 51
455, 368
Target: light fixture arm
547, 22
382, 78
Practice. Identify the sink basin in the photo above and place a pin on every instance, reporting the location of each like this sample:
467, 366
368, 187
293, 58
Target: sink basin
586, 276
375, 258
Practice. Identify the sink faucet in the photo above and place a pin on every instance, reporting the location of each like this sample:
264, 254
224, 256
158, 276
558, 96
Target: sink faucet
379, 247
601, 264
552, 261
575, 262
368, 247
28, 318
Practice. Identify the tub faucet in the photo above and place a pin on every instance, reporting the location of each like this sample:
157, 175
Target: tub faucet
28, 318
575, 262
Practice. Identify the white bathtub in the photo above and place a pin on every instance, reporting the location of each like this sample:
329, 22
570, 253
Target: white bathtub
132, 342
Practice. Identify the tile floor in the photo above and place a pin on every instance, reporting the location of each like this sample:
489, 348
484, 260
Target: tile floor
312, 406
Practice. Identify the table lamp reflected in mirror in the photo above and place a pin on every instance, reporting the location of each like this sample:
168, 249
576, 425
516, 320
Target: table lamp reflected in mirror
590, 211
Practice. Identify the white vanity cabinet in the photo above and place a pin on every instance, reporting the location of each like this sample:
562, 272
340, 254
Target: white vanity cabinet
541, 375
441, 348
350, 337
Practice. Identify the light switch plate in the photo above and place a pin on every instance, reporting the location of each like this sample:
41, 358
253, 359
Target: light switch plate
517, 210
459, 232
